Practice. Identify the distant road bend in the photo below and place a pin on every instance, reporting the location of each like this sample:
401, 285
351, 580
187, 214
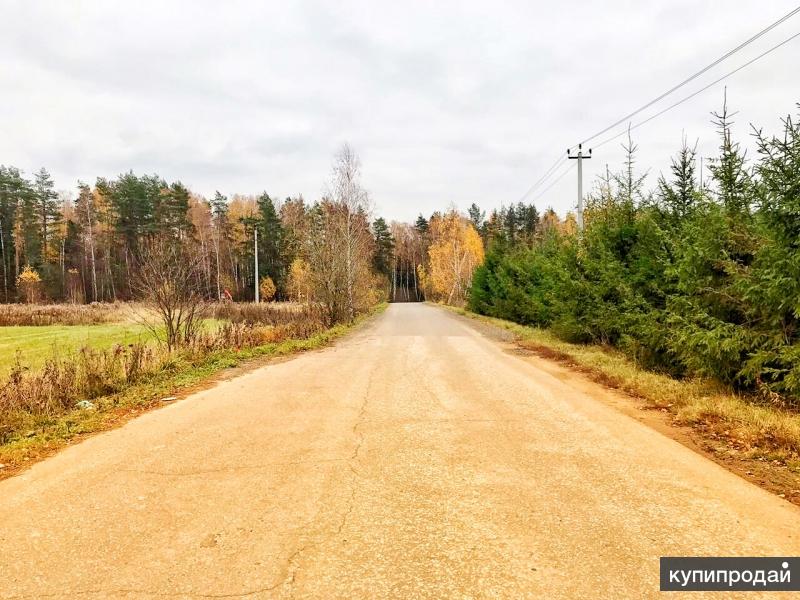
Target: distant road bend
415, 459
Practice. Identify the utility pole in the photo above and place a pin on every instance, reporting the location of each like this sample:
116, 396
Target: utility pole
255, 254
580, 156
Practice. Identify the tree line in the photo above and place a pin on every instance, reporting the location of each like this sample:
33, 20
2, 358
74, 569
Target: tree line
89, 249
691, 278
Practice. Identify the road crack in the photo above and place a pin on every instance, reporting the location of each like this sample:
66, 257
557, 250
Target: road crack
354, 456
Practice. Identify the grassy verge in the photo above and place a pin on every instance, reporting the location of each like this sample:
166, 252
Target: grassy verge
740, 427
182, 376
33, 345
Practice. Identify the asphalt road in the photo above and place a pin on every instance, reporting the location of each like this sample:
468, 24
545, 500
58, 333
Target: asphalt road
414, 459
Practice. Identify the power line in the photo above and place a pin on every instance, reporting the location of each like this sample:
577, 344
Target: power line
544, 177
554, 167
695, 75
541, 194
701, 90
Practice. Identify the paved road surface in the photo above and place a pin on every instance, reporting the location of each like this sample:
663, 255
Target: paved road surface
415, 459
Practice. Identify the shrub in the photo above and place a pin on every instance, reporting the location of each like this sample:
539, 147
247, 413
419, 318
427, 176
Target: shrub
267, 289
30, 284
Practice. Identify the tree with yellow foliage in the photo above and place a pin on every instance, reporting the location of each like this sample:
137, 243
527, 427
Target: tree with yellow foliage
456, 250
299, 286
267, 289
30, 284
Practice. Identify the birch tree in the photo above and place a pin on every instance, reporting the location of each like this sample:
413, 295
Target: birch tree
455, 252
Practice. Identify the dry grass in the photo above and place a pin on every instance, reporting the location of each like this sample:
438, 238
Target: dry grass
29, 398
62, 314
747, 424
268, 313
265, 313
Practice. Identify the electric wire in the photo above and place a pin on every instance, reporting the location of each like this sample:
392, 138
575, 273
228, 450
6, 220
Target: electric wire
541, 194
701, 90
695, 75
553, 168
557, 164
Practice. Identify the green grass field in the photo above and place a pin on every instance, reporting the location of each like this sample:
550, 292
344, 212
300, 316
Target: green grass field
35, 344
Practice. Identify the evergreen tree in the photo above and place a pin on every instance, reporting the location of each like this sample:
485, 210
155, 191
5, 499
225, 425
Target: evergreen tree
384, 246
678, 196
493, 229
219, 213
29, 242
270, 240
219, 206
510, 224
49, 210
134, 202
12, 186
421, 224
171, 208
476, 215
733, 181
630, 186
528, 218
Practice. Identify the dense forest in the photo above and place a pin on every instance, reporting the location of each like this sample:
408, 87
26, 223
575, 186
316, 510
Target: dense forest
88, 249
690, 278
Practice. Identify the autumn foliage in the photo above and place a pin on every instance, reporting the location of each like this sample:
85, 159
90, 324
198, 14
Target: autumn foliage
455, 251
29, 284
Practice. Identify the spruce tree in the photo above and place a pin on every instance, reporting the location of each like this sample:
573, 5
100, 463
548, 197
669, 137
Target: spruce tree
733, 181
678, 196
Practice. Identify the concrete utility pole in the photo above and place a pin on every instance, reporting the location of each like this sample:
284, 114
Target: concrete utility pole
580, 156
255, 254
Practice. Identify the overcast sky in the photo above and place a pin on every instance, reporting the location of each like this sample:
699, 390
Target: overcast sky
445, 102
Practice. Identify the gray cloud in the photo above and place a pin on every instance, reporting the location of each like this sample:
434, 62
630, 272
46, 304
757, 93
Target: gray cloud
446, 102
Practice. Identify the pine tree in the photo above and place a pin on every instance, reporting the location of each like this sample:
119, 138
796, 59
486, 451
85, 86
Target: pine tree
421, 224
12, 186
49, 211
219, 206
172, 209
28, 240
476, 215
384, 246
270, 240
219, 211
